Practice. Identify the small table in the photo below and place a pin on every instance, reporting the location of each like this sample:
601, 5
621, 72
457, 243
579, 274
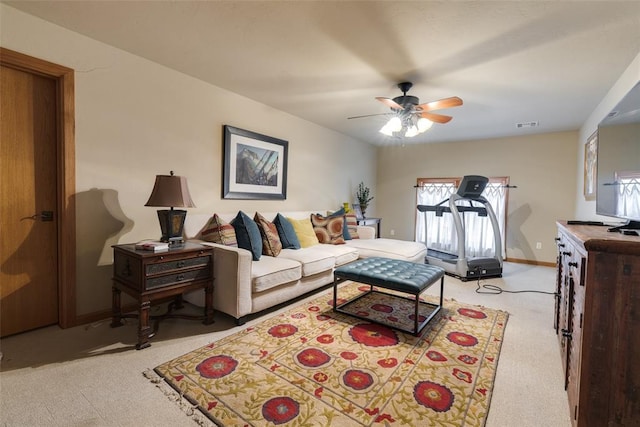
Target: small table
393, 274
160, 276
371, 221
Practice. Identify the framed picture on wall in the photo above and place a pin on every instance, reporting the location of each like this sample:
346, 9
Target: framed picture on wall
255, 166
590, 166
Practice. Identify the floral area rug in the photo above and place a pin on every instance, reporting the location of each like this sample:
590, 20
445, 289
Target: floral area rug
310, 366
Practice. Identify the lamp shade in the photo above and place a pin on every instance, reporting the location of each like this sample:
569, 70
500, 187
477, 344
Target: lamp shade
170, 191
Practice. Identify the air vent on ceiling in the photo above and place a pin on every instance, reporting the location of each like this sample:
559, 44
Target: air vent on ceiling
612, 114
527, 124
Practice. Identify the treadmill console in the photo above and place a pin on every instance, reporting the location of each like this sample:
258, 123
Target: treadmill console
472, 186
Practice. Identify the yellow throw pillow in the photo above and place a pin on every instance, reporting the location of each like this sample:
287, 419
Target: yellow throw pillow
304, 231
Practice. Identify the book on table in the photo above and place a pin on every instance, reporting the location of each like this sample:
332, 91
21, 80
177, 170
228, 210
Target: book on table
152, 245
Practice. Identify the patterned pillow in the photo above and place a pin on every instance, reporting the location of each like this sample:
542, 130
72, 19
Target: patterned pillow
304, 232
248, 234
328, 229
271, 244
352, 225
286, 232
219, 231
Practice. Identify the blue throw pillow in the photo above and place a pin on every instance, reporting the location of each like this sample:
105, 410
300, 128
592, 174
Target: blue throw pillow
248, 234
345, 229
286, 232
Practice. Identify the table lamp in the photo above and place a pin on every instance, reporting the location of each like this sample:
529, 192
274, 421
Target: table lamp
171, 191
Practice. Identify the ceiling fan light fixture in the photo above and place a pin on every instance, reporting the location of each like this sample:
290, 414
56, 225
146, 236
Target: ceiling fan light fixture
386, 131
424, 124
411, 131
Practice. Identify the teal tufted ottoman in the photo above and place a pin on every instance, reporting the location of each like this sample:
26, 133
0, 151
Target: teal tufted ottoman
397, 275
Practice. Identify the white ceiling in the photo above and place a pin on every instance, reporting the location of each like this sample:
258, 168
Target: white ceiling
324, 61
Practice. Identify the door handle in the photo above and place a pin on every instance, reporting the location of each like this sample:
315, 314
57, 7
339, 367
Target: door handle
44, 216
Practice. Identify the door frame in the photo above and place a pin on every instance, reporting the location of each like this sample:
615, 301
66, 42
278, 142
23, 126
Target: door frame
65, 173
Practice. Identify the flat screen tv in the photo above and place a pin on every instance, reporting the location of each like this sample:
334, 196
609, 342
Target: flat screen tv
618, 163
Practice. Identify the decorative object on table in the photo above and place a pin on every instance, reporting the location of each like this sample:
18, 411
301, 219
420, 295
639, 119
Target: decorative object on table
255, 166
590, 166
358, 211
345, 205
363, 196
310, 363
152, 245
171, 191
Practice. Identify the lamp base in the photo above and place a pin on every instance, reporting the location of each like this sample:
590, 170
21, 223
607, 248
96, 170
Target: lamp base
172, 225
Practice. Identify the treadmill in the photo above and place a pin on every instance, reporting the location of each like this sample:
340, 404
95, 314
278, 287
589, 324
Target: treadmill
458, 264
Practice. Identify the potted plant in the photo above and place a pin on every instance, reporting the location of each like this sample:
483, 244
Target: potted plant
363, 196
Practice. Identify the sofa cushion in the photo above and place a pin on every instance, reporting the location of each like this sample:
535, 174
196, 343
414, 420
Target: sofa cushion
328, 229
219, 231
314, 259
271, 244
248, 234
270, 272
304, 232
390, 248
286, 232
342, 253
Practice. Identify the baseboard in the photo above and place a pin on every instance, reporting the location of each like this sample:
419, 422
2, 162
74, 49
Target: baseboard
96, 316
531, 262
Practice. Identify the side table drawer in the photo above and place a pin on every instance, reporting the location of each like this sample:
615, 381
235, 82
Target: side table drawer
162, 267
178, 277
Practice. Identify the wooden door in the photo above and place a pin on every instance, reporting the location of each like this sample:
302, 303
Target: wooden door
28, 214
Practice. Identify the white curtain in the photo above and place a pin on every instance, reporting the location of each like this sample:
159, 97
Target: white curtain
628, 196
440, 233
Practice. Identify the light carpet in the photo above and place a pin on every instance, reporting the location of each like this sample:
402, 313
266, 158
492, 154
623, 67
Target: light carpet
310, 366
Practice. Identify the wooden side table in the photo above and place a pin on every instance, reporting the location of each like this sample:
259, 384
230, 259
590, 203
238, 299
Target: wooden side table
160, 276
373, 222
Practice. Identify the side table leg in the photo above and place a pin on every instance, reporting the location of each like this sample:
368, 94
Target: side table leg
208, 304
144, 330
116, 313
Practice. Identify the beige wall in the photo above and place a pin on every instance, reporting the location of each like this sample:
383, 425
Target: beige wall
587, 209
136, 119
541, 166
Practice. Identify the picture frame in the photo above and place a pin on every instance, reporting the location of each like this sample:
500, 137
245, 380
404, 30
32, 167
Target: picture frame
255, 166
590, 166
357, 210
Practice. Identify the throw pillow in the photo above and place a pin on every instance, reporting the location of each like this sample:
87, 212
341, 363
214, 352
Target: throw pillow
352, 225
248, 234
345, 228
219, 231
328, 229
286, 233
304, 232
271, 244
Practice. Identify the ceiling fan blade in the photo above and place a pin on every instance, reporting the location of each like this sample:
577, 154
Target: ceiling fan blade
437, 118
369, 115
454, 101
390, 103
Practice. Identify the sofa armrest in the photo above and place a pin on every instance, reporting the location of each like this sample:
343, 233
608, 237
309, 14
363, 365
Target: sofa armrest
232, 280
366, 232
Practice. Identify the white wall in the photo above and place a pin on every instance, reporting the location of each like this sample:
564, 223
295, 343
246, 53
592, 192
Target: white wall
136, 119
586, 210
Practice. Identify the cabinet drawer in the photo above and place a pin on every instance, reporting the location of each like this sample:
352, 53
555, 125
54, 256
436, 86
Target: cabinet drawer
162, 267
170, 279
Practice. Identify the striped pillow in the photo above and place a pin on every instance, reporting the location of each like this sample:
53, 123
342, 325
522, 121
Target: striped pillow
352, 225
219, 231
271, 244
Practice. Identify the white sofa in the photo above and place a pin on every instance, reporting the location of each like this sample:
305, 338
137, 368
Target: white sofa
244, 286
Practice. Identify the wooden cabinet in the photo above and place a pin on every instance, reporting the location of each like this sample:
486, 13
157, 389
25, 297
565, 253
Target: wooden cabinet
158, 276
597, 319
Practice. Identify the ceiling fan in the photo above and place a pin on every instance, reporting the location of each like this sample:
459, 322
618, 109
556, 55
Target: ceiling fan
411, 116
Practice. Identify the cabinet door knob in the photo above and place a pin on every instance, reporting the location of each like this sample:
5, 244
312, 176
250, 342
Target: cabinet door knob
566, 333
180, 277
566, 253
573, 264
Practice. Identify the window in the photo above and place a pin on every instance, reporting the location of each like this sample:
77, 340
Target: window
440, 233
628, 194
